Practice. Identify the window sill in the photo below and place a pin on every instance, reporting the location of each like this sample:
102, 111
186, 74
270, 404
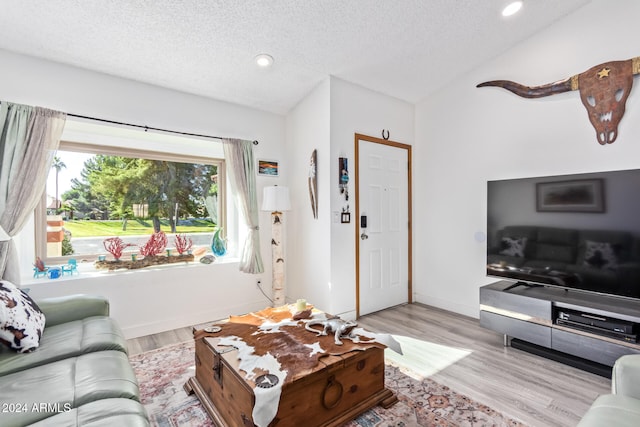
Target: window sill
86, 270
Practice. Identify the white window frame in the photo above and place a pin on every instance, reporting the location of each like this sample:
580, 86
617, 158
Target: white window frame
40, 213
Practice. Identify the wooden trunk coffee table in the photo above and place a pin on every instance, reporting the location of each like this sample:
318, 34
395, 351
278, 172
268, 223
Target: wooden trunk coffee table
252, 373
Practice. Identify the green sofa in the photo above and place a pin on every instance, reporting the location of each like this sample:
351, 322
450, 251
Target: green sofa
78, 376
621, 408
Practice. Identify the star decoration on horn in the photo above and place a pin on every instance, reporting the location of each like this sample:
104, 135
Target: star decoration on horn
604, 73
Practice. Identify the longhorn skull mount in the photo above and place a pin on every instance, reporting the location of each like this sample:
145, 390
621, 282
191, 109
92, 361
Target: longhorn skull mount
604, 90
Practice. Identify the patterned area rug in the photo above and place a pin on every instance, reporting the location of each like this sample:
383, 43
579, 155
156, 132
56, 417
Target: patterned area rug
162, 373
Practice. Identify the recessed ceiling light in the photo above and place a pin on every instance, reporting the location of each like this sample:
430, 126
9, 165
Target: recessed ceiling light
512, 8
263, 60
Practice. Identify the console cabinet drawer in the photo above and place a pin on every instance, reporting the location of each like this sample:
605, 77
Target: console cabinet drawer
600, 351
533, 307
527, 331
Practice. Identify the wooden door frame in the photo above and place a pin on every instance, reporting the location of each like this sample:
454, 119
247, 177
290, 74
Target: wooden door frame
360, 137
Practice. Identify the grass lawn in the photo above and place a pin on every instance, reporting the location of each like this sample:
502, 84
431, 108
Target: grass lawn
90, 228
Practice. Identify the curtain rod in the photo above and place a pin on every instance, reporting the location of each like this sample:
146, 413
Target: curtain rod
146, 128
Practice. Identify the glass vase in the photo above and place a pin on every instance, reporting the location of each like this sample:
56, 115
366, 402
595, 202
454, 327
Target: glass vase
218, 245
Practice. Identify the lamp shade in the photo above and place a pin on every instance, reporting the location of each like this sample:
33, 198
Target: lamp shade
276, 199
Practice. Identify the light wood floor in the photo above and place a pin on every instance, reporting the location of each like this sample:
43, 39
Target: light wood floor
455, 351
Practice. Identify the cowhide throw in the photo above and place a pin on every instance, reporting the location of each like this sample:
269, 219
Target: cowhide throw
271, 341
21, 321
273, 331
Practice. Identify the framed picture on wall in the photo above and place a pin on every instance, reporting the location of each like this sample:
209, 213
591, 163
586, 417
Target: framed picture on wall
582, 195
268, 168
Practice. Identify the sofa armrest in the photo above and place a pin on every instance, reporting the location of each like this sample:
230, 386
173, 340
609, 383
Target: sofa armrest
72, 307
625, 378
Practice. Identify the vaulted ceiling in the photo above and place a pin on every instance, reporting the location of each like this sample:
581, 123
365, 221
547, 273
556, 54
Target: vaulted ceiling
403, 48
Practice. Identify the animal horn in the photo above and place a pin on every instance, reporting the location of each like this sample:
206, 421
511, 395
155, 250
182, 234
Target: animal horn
635, 64
537, 91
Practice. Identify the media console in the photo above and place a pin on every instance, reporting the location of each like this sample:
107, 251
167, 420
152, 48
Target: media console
574, 325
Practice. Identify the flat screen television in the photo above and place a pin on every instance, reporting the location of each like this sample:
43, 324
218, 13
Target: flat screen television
574, 231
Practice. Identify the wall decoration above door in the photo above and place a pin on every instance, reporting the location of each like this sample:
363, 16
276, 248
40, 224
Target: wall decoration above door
604, 90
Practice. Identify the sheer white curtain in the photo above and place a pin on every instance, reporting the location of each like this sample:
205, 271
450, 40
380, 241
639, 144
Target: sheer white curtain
29, 137
242, 177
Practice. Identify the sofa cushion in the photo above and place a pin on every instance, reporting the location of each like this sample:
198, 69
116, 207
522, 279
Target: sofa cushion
557, 253
21, 320
101, 413
557, 236
66, 384
625, 378
621, 241
66, 340
68, 308
612, 410
600, 255
556, 244
519, 232
513, 246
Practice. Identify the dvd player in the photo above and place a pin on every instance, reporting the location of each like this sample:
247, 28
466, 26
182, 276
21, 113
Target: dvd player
633, 338
600, 322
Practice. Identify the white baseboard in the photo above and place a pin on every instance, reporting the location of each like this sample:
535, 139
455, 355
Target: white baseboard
348, 315
188, 319
470, 311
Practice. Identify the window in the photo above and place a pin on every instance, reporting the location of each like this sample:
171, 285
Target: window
96, 192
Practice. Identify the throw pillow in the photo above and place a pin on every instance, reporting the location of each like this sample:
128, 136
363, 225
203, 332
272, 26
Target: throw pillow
21, 320
513, 246
600, 255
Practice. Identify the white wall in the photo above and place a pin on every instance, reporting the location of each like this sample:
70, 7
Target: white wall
150, 301
355, 109
308, 244
466, 136
321, 251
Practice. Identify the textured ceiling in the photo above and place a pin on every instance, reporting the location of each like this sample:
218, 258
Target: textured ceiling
402, 48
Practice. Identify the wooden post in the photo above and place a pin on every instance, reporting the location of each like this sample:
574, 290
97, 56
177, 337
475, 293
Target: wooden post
277, 260
55, 235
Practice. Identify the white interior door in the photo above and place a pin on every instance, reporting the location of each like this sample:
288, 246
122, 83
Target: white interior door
383, 198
